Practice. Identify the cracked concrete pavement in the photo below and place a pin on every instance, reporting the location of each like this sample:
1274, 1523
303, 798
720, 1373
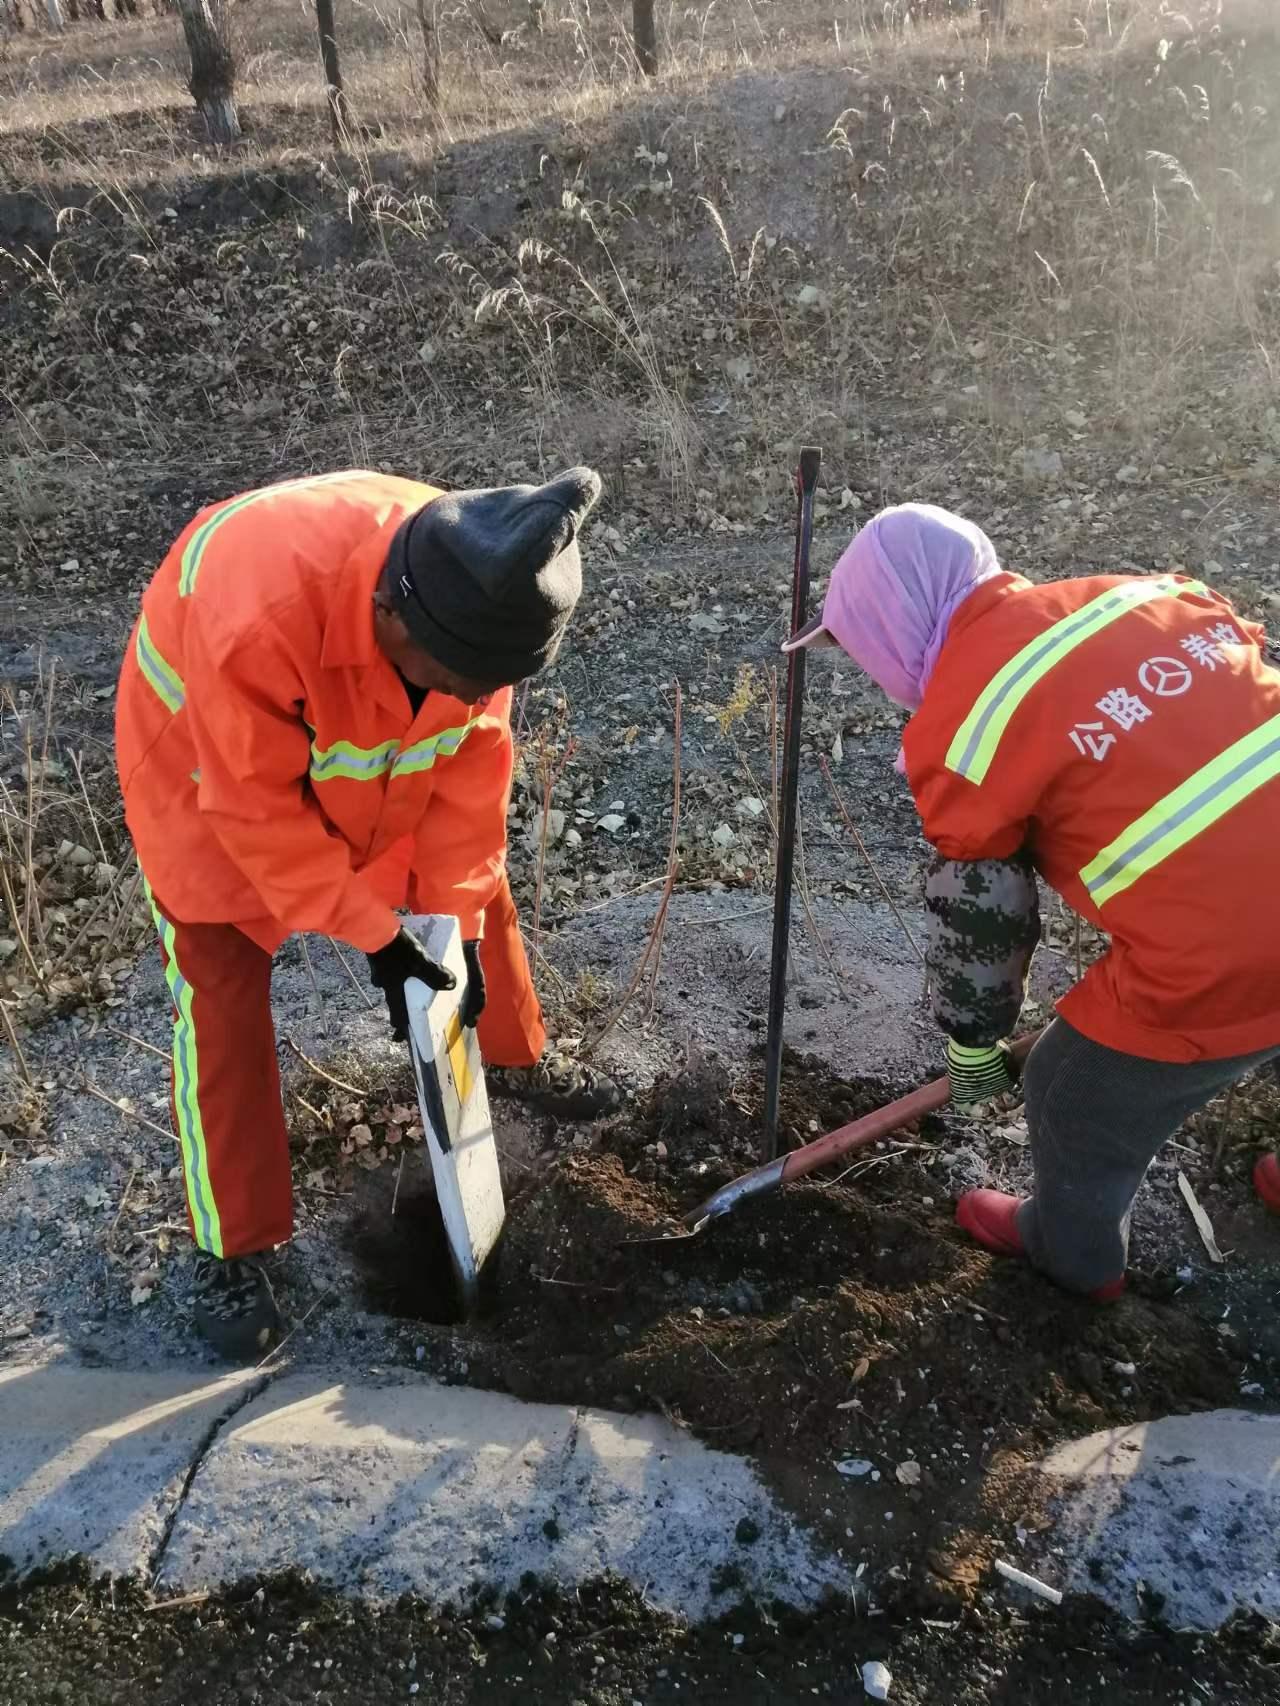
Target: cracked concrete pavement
96, 1464
401, 1484
381, 1488
1179, 1515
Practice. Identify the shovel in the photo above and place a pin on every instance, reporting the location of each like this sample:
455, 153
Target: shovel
870, 1128
455, 1111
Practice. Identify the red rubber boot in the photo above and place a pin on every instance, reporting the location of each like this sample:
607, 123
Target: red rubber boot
991, 1219
1266, 1181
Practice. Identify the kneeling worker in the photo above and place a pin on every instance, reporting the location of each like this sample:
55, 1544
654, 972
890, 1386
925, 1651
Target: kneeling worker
314, 728
1119, 736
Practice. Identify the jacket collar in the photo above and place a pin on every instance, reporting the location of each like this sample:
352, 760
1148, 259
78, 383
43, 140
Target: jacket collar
348, 628
983, 598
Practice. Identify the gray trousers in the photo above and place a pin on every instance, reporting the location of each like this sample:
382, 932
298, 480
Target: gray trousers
1097, 1118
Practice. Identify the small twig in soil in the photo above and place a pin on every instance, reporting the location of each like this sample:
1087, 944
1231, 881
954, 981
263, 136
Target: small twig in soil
863, 1166
724, 1365
981, 1309
16, 1046
574, 1285
313, 980
1224, 1131
129, 1113
870, 862
551, 776
314, 1066
599, 905
361, 991
124, 913
124, 1197
658, 927
395, 1195
729, 918
128, 1037
296, 1328
803, 886
174, 1604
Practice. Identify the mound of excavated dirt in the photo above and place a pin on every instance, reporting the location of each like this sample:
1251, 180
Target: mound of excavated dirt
892, 1379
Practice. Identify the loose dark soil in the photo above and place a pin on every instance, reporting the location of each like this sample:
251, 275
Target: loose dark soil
279, 1642
842, 1318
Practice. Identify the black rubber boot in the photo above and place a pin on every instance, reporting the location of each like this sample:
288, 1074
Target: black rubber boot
558, 1085
234, 1306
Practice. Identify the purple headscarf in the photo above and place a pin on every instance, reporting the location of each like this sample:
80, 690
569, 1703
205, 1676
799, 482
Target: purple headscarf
897, 586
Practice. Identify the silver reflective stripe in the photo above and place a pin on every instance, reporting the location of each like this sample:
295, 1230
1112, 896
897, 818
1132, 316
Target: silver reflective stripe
1199, 802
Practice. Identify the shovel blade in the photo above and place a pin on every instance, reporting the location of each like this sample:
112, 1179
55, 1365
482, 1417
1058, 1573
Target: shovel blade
456, 1125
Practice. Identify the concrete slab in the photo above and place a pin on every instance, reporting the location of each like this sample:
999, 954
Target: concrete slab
411, 1485
1189, 1506
93, 1462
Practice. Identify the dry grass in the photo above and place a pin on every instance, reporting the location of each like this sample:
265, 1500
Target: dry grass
71, 912
1069, 221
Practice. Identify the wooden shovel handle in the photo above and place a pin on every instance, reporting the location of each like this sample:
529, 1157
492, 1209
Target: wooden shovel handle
873, 1126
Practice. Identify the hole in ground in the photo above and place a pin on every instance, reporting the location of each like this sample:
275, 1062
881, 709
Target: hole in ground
403, 1261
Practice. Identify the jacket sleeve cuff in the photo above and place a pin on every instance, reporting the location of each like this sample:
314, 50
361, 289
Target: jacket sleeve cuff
369, 929
959, 1054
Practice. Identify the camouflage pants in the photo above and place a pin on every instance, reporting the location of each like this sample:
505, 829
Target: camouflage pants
1097, 1119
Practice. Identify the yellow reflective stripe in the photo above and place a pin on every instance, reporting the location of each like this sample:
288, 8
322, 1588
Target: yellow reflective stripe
1215, 789
423, 754
161, 676
345, 762
195, 548
186, 1096
351, 763
976, 741
455, 1042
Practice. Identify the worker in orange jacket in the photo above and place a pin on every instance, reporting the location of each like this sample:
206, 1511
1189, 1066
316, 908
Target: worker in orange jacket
1119, 737
313, 729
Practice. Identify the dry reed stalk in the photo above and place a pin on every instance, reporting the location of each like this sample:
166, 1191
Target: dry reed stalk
128, 1113
870, 862
653, 947
359, 987
1224, 1130
550, 781
16, 1046
319, 1071
805, 901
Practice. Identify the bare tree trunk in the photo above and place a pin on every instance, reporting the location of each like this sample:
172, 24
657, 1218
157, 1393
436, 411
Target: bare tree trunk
645, 35
213, 66
339, 110
429, 18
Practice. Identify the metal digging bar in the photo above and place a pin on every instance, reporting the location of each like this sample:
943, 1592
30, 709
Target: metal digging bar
806, 483
835, 1146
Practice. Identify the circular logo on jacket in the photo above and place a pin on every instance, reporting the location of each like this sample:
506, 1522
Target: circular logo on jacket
1165, 677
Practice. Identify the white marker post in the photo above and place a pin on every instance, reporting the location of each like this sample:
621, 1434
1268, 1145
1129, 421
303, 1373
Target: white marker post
455, 1110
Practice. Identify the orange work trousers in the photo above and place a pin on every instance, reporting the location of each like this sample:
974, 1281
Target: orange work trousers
227, 1108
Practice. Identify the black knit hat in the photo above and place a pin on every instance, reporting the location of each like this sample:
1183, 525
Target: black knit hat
486, 581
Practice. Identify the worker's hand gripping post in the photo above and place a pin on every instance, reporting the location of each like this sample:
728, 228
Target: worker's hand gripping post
806, 484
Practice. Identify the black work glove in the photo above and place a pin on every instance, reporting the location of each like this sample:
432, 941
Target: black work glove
476, 994
979, 1074
404, 957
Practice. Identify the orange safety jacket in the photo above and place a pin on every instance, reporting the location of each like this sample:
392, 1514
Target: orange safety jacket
273, 774
1125, 731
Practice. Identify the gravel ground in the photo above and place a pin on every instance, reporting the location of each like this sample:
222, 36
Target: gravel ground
276, 1643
